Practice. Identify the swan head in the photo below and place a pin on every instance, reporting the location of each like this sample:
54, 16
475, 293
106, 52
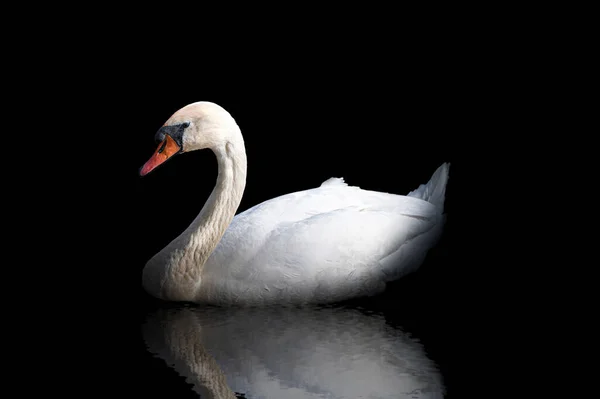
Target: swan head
196, 126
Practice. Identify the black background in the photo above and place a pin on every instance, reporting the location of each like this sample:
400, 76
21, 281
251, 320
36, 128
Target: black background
383, 111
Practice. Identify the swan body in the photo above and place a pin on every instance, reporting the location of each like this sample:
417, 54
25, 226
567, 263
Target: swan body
321, 245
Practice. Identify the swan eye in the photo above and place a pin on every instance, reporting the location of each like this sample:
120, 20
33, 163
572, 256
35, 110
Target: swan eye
185, 125
162, 147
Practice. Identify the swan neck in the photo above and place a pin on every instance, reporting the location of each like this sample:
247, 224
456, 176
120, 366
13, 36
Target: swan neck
219, 210
202, 236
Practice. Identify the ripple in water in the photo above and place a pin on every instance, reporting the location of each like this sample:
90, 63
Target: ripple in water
294, 353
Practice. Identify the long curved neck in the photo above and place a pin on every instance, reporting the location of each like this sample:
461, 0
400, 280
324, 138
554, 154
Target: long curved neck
183, 260
218, 211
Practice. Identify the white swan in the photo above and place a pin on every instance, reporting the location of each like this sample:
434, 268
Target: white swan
322, 245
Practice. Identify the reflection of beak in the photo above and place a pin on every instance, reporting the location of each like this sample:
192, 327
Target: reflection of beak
165, 150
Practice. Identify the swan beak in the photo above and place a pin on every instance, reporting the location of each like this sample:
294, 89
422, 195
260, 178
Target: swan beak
165, 150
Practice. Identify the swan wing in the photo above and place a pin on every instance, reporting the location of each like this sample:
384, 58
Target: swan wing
327, 243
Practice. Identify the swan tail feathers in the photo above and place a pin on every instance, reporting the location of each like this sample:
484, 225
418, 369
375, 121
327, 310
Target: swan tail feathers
435, 189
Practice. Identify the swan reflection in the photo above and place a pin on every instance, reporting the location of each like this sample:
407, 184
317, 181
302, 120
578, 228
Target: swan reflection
291, 353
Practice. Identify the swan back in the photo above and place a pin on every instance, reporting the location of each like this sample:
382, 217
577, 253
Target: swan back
325, 244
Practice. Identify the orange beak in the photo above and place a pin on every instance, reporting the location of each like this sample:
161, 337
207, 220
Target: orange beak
165, 150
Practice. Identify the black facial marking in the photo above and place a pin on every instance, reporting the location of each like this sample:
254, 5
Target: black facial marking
175, 131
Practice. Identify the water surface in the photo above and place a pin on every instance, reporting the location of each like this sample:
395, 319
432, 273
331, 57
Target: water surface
317, 352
